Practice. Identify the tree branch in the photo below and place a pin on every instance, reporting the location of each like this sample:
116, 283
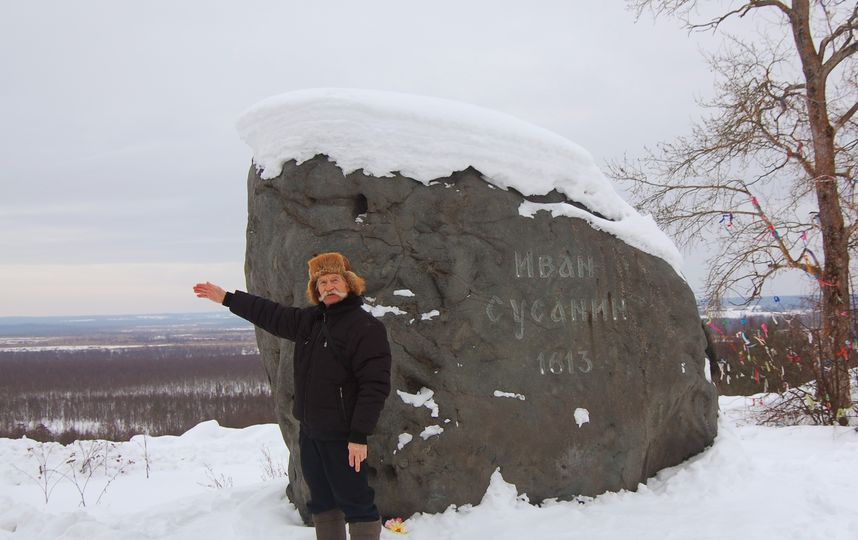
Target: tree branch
846, 116
741, 12
839, 56
850, 25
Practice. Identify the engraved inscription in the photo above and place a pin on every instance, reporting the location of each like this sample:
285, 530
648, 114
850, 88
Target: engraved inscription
559, 311
564, 361
618, 309
490, 309
536, 310
546, 266
579, 310
518, 316
523, 265
600, 308
556, 312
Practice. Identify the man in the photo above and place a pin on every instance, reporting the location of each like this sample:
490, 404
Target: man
342, 378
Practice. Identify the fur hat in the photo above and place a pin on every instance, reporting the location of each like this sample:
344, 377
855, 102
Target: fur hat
332, 263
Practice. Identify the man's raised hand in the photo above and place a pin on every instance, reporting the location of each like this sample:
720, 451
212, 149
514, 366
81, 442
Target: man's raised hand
210, 291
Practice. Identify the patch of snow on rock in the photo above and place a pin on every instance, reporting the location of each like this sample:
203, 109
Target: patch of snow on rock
381, 311
582, 416
423, 398
404, 438
431, 431
498, 393
430, 315
403, 292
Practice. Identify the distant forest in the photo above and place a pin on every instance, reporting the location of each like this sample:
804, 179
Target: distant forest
164, 377
64, 395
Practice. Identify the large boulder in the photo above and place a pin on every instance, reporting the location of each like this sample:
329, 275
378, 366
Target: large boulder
524, 336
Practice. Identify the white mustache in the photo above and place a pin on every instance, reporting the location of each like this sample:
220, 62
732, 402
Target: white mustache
337, 293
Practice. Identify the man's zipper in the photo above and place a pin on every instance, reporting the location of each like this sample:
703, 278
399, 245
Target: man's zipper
342, 404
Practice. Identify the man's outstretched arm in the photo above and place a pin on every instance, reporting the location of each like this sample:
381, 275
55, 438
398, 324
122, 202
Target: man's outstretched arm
282, 321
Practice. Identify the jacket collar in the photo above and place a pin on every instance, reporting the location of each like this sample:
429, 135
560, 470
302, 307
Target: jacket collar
347, 304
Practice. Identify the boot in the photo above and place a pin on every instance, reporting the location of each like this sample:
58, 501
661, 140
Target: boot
365, 530
330, 525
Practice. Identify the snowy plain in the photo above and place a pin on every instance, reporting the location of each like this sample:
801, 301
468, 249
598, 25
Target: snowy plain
213, 483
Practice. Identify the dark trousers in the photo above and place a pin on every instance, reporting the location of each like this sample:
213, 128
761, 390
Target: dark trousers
333, 483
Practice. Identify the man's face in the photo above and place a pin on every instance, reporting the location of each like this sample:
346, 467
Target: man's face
332, 288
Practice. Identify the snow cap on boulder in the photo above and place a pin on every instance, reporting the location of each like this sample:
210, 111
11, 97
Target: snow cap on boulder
427, 138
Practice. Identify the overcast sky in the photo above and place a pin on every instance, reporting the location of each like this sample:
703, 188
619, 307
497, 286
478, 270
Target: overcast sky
123, 178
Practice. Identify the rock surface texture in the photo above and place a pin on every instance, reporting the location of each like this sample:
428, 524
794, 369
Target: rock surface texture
538, 345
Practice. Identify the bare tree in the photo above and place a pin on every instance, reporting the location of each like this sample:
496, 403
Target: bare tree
770, 173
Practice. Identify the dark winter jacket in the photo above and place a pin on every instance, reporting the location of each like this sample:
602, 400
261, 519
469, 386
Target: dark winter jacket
333, 399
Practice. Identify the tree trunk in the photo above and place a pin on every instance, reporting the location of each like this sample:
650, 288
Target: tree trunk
834, 283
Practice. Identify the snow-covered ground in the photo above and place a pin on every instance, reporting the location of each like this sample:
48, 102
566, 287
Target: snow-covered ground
218, 483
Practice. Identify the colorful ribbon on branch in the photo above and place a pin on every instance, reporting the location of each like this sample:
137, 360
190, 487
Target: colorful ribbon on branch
713, 326
770, 228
